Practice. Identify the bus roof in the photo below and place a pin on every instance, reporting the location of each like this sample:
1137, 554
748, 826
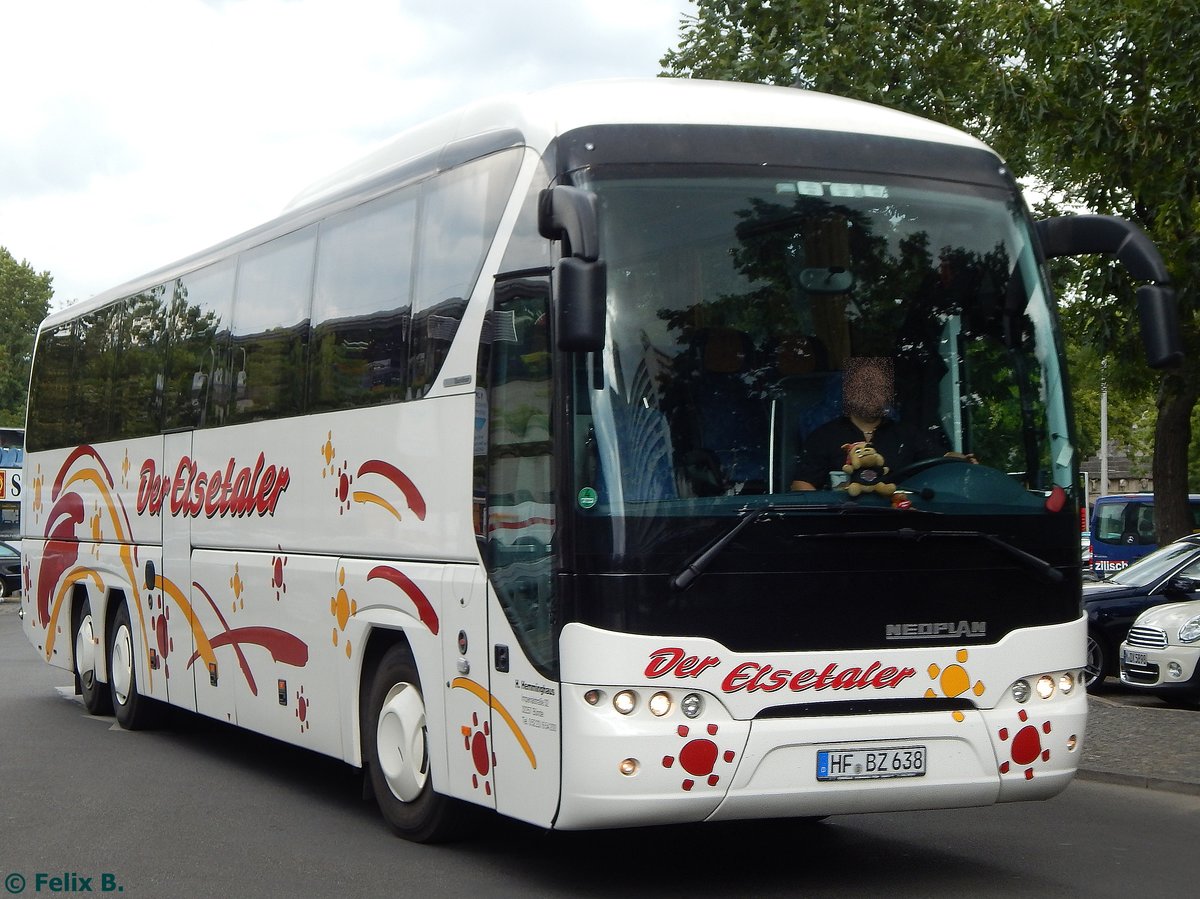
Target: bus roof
542, 115
535, 118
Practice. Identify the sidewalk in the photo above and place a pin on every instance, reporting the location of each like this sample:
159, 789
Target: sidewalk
1147, 744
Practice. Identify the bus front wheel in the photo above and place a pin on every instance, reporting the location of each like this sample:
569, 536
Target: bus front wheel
395, 746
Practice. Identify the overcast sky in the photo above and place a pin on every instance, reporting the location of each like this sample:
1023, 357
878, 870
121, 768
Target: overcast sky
135, 132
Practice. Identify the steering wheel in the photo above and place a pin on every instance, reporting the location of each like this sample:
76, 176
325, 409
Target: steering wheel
924, 465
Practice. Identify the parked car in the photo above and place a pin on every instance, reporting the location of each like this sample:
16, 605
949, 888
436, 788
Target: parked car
10, 570
1162, 652
1169, 574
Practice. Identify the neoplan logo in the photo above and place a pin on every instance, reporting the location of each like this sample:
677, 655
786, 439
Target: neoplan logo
935, 630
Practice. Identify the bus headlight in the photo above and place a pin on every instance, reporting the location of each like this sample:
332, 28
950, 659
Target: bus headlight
1021, 691
660, 704
1045, 686
1066, 682
692, 705
625, 702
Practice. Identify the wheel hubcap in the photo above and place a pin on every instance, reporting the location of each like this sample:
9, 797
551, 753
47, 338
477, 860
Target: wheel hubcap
1094, 661
122, 665
85, 653
400, 742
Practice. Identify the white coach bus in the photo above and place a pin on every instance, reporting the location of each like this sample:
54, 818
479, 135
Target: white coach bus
483, 467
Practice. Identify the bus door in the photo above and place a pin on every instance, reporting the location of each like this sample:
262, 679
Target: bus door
465, 659
517, 527
173, 591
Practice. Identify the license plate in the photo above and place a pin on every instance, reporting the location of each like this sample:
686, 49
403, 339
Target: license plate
864, 764
1135, 658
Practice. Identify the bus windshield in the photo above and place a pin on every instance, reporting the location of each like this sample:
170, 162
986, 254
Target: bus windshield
741, 303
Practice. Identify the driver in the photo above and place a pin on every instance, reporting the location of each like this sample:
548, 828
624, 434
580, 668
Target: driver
867, 391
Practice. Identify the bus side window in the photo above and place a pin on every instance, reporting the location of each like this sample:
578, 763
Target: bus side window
269, 348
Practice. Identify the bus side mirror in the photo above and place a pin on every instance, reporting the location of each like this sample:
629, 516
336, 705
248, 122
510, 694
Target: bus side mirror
580, 282
581, 291
1159, 317
1078, 235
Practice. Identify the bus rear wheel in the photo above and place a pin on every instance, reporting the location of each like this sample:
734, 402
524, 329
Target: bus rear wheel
395, 747
132, 710
96, 697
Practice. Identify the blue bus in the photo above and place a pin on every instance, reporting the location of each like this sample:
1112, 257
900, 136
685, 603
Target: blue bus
1122, 527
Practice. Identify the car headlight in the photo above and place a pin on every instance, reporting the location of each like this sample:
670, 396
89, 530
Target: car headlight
1190, 632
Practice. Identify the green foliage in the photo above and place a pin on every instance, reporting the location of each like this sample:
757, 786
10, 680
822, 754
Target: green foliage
24, 301
894, 52
1096, 102
1130, 405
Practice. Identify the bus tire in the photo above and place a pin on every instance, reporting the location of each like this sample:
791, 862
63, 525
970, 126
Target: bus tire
395, 749
96, 696
132, 710
1095, 669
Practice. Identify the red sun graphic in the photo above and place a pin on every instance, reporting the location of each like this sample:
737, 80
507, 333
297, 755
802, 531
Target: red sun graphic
475, 741
303, 707
1026, 746
278, 563
160, 616
699, 758
341, 489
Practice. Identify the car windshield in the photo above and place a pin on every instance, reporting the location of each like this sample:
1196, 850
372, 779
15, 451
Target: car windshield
8, 552
1148, 569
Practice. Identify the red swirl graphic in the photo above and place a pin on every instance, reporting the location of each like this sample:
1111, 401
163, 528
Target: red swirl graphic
424, 607
412, 495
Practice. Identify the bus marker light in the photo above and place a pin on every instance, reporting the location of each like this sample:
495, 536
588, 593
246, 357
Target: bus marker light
1020, 691
629, 767
1072, 742
625, 701
692, 705
660, 704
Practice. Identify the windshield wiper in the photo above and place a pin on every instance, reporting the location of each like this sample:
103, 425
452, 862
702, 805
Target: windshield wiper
1029, 560
696, 567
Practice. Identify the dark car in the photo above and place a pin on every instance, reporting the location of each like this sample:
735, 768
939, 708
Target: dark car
1169, 574
10, 570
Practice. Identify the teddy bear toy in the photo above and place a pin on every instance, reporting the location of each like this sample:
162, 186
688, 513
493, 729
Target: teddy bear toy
866, 470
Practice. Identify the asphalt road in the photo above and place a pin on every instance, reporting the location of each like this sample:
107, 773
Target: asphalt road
201, 809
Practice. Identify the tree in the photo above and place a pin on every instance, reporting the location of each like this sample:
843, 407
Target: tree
24, 302
1094, 101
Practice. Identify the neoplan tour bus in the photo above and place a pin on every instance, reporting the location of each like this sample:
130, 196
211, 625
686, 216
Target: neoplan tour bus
478, 468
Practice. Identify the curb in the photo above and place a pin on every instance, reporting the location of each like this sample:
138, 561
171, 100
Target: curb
1134, 780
